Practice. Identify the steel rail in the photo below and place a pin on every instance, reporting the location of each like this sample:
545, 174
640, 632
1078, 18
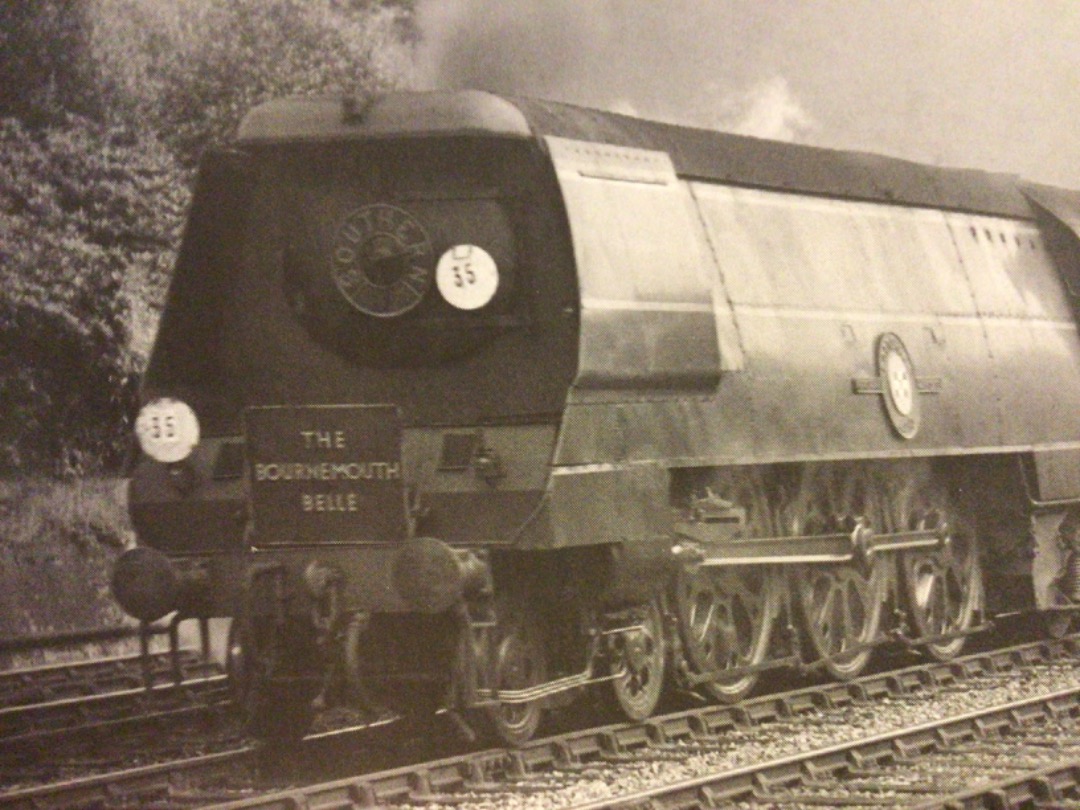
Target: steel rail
743, 783
49, 682
120, 787
483, 770
153, 784
431, 781
91, 635
1055, 786
72, 712
208, 699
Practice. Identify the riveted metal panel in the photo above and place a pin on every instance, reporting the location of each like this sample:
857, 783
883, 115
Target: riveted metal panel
815, 285
1030, 333
1060, 219
738, 160
646, 294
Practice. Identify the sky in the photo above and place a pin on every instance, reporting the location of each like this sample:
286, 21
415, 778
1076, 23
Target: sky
989, 84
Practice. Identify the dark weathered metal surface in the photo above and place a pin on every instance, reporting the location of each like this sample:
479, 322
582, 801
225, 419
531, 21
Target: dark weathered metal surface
395, 115
647, 313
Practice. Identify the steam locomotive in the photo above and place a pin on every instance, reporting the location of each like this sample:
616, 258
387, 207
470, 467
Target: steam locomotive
476, 405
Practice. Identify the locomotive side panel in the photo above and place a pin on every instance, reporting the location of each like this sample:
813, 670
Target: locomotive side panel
1030, 330
647, 314
1057, 472
814, 286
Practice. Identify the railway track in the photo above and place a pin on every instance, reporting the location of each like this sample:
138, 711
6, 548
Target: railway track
1023, 754
52, 716
76, 648
652, 764
22, 689
637, 765
228, 767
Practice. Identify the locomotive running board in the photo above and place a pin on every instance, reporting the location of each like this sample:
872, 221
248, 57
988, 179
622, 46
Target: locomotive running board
709, 549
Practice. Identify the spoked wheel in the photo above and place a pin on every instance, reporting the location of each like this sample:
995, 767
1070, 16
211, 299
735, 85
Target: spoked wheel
726, 617
520, 663
639, 656
841, 608
943, 587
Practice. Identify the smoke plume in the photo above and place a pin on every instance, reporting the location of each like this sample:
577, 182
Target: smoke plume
989, 84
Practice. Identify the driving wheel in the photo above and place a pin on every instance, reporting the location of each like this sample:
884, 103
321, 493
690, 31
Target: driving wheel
943, 586
840, 607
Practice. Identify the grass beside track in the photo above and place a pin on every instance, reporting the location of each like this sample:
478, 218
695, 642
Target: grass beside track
58, 540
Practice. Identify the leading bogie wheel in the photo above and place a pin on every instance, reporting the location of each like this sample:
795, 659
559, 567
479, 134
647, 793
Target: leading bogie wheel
520, 663
639, 656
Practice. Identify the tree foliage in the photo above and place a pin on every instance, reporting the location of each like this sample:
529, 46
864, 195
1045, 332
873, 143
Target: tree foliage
45, 69
105, 106
82, 209
225, 56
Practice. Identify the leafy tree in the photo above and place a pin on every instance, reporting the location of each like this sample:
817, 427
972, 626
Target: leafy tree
105, 106
45, 68
191, 70
83, 210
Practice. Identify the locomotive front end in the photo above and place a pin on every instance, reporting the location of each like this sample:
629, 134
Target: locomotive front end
353, 400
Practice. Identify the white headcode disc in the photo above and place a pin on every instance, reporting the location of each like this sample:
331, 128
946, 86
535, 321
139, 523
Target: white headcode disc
467, 277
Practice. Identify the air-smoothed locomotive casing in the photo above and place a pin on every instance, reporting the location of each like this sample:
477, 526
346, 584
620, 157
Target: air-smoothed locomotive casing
745, 302
676, 299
